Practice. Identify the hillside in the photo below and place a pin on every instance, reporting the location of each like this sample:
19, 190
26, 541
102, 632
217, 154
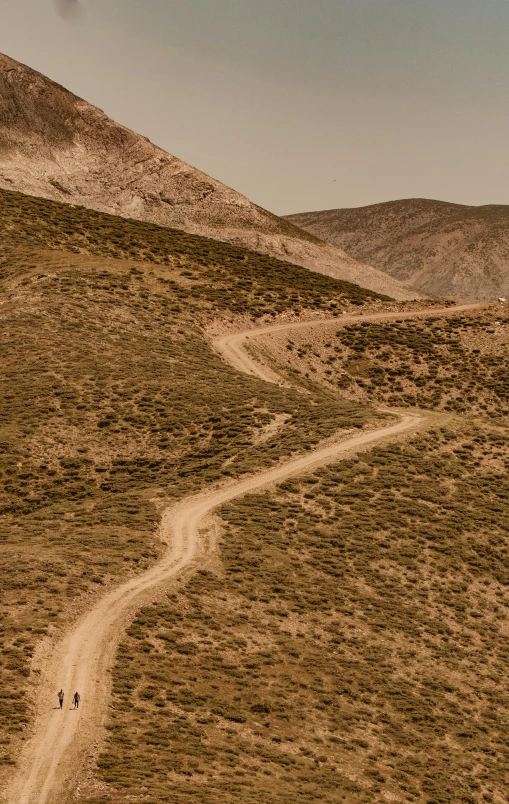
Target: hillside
453, 365
353, 635
113, 403
344, 639
357, 654
56, 146
448, 250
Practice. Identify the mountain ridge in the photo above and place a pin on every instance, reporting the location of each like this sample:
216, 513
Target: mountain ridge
445, 249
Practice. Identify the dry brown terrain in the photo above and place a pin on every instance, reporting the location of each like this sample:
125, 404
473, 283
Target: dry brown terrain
113, 405
453, 361
84, 656
448, 250
346, 636
50, 760
55, 145
350, 645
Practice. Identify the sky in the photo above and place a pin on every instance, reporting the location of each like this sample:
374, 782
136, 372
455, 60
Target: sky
299, 104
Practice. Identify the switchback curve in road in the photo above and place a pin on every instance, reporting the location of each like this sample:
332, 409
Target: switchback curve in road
61, 740
231, 346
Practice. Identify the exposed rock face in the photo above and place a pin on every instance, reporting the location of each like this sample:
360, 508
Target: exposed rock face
55, 145
448, 250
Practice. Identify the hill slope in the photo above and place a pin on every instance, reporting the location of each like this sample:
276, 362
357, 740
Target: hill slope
112, 399
55, 145
349, 634
450, 250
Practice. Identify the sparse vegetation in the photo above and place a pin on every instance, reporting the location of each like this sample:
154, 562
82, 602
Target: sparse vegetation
113, 404
452, 251
195, 270
352, 648
350, 644
456, 364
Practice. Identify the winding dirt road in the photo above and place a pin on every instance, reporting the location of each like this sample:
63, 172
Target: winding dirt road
62, 740
231, 346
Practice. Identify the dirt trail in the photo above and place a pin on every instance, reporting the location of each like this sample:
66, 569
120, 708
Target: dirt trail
62, 740
231, 346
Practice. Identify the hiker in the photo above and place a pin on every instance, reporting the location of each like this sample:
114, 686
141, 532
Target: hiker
60, 697
76, 699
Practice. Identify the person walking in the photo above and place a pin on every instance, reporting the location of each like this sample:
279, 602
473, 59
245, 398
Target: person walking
60, 697
76, 700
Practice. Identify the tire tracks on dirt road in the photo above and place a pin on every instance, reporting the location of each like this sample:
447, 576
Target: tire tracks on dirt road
61, 741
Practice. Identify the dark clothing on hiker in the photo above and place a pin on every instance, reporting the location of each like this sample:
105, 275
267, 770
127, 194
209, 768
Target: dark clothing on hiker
76, 700
61, 698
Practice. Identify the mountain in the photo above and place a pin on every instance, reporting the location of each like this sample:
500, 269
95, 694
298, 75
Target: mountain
56, 146
448, 250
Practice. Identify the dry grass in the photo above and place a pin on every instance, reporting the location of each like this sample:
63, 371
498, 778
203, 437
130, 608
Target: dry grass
112, 404
351, 645
352, 648
221, 277
456, 364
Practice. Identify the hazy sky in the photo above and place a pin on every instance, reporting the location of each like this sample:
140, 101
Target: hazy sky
299, 104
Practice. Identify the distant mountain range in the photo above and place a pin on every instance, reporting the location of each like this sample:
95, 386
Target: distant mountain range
57, 146
447, 250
